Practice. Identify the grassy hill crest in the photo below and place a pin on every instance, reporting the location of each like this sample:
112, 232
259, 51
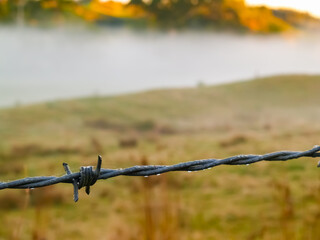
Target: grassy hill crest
265, 99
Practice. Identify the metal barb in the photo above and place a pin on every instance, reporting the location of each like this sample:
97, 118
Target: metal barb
74, 182
87, 177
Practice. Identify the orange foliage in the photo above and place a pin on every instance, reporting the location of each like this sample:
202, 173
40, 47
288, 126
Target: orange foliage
262, 20
49, 4
257, 19
85, 13
116, 9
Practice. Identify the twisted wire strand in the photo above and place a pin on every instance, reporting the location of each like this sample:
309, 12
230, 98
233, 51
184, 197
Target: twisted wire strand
87, 177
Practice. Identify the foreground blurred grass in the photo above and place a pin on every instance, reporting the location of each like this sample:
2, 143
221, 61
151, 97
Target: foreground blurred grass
260, 201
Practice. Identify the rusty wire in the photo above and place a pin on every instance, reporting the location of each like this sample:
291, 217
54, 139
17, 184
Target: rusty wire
86, 177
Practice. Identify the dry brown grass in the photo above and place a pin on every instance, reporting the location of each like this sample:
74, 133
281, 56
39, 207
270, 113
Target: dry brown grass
257, 202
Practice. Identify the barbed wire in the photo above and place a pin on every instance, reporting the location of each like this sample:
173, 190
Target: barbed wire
86, 177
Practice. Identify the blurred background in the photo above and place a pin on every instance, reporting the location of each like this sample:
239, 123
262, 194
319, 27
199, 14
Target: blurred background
160, 82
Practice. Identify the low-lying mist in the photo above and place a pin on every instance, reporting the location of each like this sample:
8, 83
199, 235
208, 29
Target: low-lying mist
47, 64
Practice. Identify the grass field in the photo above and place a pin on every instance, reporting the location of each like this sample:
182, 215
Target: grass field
260, 201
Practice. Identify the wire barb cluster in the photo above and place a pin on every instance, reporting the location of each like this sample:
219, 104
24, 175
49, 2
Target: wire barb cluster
86, 177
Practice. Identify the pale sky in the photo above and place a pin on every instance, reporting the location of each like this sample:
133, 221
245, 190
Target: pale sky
311, 6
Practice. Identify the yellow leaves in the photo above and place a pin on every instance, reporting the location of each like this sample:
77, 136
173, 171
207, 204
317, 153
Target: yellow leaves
116, 9
227, 13
262, 20
85, 13
49, 4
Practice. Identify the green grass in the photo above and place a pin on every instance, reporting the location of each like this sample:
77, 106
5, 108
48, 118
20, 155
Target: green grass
260, 201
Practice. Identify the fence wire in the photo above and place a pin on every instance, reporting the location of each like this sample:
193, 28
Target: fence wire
86, 177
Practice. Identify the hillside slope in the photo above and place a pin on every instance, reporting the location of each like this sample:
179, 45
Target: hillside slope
282, 101
233, 15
